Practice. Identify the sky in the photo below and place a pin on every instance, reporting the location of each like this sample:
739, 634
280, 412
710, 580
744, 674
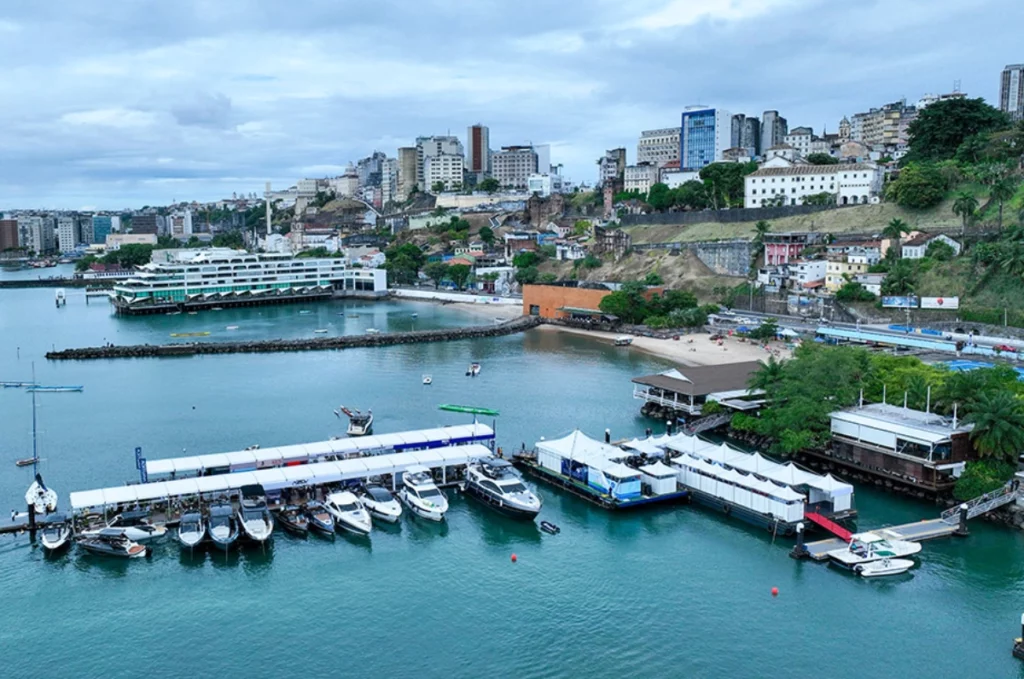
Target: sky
122, 103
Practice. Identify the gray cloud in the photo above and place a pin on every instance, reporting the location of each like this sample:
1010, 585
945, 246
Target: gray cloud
205, 110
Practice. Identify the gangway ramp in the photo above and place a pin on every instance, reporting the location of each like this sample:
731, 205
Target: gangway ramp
829, 525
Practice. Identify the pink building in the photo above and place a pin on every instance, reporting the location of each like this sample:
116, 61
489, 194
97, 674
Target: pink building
782, 248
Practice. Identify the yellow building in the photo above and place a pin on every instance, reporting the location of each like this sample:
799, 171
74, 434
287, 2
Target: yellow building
838, 268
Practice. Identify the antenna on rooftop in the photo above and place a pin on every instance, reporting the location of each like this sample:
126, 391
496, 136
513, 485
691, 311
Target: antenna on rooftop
956, 86
861, 398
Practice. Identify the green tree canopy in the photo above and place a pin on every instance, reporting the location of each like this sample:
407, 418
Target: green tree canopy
526, 259
437, 272
940, 129
459, 274
229, 239
489, 185
692, 195
660, 197
723, 183
821, 159
486, 235
527, 275
437, 187
919, 186
998, 420
653, 278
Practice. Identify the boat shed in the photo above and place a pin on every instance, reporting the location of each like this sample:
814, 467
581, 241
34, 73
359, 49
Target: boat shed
275, 479
306, 453
687, 389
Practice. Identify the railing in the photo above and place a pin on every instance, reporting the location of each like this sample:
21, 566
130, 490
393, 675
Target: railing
983, 504
644, 395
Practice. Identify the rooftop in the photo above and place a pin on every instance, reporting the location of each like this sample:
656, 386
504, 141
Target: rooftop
897, 417
702, 380
810, 169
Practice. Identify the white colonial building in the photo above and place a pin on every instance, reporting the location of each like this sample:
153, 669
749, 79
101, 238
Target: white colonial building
850, 184
916, 247
641, 177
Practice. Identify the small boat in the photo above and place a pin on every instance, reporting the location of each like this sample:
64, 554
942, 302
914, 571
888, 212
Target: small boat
421, 495
876, 569
473, 370
231, 327
415, 315
56, 533
43, 499
217, 308
293, 520
61, 298
254, 515
303, 312
496, 483
372, 331
221, 525
24, 462
320, 331
381, 504
549, 527
135, 525
190, 334
56, 390
359, 423
623, 341
320, 520
112, 542
191, 530
193, 313
348, 513
427, 379
865, 548
173, 313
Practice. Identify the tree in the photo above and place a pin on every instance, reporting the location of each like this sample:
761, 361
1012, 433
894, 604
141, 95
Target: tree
459, 274
437, 272
900, 280
486, 235
895, 230
489, 185
591, 261
692, 194
403, 262
628, 303
437, 187
854, 292
163, 242
724, 183
229, 239
678, 300
527, 275
940, 129
548, 278
965, 205
653, 278
1003, 190
998, 420
1011, 258
940, 251
919, 186
129, 256
526, 259
767, 376
821, 159
660, 197
768, 330
581, 227
823, 198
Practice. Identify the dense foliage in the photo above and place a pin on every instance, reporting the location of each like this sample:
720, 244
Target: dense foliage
635, 304
821, 159
403, 262
940, 129
982, 476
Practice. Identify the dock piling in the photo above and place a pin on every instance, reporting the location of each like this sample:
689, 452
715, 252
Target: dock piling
1018, 644
961, 529
607, 435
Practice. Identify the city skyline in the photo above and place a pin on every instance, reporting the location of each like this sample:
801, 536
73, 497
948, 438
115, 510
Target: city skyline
190, 101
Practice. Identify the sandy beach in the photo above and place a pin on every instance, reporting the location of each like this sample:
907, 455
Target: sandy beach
478, 309
692, 350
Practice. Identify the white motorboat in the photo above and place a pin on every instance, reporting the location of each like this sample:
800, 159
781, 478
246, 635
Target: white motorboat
372, 331
56, 533
43, 499
191, 530
868, 547
623, 341
221, 525
359, 423
421, 495
496, 483
112, 542
320, 331
473, 370
348, 513
136, 527
381, 504
253, 514
876, 569
427, 379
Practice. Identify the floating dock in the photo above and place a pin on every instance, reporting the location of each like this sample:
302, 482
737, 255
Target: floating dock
919, 531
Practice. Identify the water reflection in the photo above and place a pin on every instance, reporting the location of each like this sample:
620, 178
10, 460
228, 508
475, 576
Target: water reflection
498, 529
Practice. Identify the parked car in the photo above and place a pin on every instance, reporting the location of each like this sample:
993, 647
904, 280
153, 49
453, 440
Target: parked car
1005, 347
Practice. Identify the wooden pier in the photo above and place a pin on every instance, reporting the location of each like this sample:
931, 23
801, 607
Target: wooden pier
919, 531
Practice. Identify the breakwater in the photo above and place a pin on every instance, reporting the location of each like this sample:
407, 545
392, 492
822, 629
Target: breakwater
311, 344
58, 283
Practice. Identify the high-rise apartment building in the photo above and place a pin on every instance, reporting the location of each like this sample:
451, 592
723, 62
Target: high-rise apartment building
773, 130
750, 140
427, 147
388, 181
369, 169
478, 150
443, 169
1011, 92
67, 232
406, 171
8, 234
704, 134
146, 223
513, 165
658, 146
102, 226
37, 234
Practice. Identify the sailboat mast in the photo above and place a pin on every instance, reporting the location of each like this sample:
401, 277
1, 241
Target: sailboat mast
35, 453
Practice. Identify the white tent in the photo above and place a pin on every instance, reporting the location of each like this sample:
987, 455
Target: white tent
645, 446
579, 446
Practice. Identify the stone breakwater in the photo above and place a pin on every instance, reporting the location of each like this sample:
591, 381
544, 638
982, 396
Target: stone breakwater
312, 344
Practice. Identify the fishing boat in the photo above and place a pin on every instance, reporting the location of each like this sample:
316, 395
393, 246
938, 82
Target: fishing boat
623, 341
865, 548
473, 370
24, 462
427, 379
348, 513
56, 389
112, 542
135, 525
191, 530
320, 520
221, 525
293, 520
359, 423
379, 501
56, 533
421, 495
497, 484
254, 515
231, 327
884, 567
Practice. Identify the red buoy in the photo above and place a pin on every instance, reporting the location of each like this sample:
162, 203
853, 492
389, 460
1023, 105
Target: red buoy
514, 558
775, 591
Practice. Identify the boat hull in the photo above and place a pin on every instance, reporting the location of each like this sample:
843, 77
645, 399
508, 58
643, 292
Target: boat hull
504, 508
386, 517
100, 549
191, 540
356, 528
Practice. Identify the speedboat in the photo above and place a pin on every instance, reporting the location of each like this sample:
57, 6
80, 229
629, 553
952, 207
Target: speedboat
875, 569
473, 370
112, 542
865, 548
421, 495
294, 520
254, 515
56, 533
497, 484
381, 504
191, 530
320, 520
136, 527
348, 513
359, 423
320, 331
427, 379
222, 526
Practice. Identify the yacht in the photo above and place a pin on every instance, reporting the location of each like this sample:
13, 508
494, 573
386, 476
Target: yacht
43, 499
191, 530
56, 533
135, 525
348, 513
421, 495
222, 526
865, 548
293, 520
320, 520
112, 542
254, 515
473, 370
381, 504
359, 423
497, 484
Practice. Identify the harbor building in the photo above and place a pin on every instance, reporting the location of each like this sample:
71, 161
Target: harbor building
220, 277
683, 392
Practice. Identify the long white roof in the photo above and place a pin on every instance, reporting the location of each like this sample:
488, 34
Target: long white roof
285, 477
310, 452
748, 481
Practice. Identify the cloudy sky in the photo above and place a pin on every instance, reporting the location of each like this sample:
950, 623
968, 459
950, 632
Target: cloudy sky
122, 103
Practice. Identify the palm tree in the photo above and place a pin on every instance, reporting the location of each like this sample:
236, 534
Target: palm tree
998, 420
768, 375
900, 279
1011, 258
760, 230
1003, 190
964, 207
895, 231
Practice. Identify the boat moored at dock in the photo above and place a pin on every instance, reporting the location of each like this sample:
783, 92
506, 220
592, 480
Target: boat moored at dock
112, 542
191, 530
294, 520
56, 533
222, 526
254, 515
866, 548
135, 525
496, 483
348, 514
320, 520
421, 495
379, 501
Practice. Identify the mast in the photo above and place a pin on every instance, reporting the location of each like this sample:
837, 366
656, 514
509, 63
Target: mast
35, 453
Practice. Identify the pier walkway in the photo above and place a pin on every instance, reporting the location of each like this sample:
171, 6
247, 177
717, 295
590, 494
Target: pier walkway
310, 344
919, 531
829, 525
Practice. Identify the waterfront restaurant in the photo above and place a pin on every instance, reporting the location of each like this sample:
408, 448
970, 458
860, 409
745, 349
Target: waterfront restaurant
687, 389
921, 449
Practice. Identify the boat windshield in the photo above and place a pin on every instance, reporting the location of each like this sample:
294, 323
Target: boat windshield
429, 493
350, 507
379, 494
512, 488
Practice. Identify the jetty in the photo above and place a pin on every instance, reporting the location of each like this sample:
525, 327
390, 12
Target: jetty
307, 344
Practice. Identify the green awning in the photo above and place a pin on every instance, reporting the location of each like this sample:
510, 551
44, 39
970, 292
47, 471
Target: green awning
577, 310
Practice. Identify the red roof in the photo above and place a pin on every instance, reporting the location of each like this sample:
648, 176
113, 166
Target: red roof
671, 165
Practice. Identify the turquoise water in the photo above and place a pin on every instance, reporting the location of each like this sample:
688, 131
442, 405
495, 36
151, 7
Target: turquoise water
666, 592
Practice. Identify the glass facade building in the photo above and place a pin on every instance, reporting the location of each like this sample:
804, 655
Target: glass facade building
102, 226
704, 134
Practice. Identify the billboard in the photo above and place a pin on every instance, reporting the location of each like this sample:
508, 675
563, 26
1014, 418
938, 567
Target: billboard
900, 302
940, 302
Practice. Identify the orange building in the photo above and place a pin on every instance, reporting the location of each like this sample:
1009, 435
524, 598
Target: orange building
556, 301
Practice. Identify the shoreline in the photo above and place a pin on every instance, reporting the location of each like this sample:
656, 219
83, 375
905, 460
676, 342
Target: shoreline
508, 312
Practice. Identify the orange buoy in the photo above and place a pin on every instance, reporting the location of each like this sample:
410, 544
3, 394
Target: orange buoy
514, 558
775, 591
